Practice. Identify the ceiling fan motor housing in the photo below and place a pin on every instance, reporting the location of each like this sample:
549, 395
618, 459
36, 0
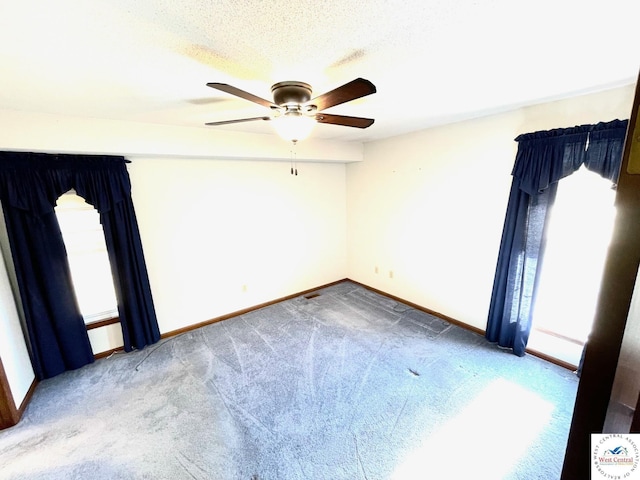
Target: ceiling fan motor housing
291, 93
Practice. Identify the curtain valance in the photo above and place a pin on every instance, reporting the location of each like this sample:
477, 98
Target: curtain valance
33, 181
604, 152
545, 157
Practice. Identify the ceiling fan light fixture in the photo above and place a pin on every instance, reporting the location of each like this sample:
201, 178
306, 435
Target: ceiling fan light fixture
293, 126
294, 112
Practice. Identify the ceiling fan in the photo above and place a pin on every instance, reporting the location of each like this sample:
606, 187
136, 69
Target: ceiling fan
295, 113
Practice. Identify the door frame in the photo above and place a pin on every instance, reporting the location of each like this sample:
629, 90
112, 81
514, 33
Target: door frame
603, 347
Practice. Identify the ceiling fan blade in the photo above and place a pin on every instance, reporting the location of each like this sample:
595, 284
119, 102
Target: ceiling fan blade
242, 94
240, 120
357, 88
344, 120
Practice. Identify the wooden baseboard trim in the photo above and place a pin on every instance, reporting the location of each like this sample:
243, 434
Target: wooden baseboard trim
195, 326
446, 318
559, 336
441, 316
9, 414
106, 353
28, 396
244, 311
466, 326
13, 415
551, 359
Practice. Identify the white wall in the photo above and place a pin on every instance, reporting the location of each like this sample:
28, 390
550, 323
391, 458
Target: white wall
430, 206
220, 236
13, 350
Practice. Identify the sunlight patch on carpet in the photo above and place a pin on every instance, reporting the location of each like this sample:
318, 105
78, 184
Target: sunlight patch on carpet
486, 440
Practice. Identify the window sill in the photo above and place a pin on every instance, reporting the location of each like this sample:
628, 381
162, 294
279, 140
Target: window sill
102, 323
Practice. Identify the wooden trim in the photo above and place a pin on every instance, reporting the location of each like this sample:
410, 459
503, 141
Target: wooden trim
102, 323
635, 421
466, 326
9, 414
446, 318
244, 311
106, 353
549, 358
27, 398
227, 316
551, 333
195, 326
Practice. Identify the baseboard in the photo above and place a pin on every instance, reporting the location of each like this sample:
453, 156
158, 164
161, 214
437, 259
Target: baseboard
16, 414
551, 359
466, 326
12, 415
106, 353
28, 396
9, 414
441, 316
244, 311
211, 321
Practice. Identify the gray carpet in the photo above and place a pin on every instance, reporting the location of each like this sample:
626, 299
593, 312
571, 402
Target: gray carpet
346, 385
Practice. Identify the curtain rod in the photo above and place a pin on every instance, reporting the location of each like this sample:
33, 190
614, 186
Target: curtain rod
69, 154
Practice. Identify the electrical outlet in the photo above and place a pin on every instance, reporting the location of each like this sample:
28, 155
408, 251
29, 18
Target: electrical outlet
375, 269
390, 273
244, 288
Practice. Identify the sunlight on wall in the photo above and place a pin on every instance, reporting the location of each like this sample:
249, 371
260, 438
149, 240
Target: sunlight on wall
474, 444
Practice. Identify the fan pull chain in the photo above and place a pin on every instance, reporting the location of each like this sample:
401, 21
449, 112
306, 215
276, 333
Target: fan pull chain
294, 163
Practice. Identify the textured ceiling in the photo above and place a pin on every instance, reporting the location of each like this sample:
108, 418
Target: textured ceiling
433, 61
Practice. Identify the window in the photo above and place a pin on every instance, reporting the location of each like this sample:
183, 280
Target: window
578, 237
87, 253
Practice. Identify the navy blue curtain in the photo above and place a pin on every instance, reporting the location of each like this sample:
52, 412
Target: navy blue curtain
606, 145
542, 160
30, 184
